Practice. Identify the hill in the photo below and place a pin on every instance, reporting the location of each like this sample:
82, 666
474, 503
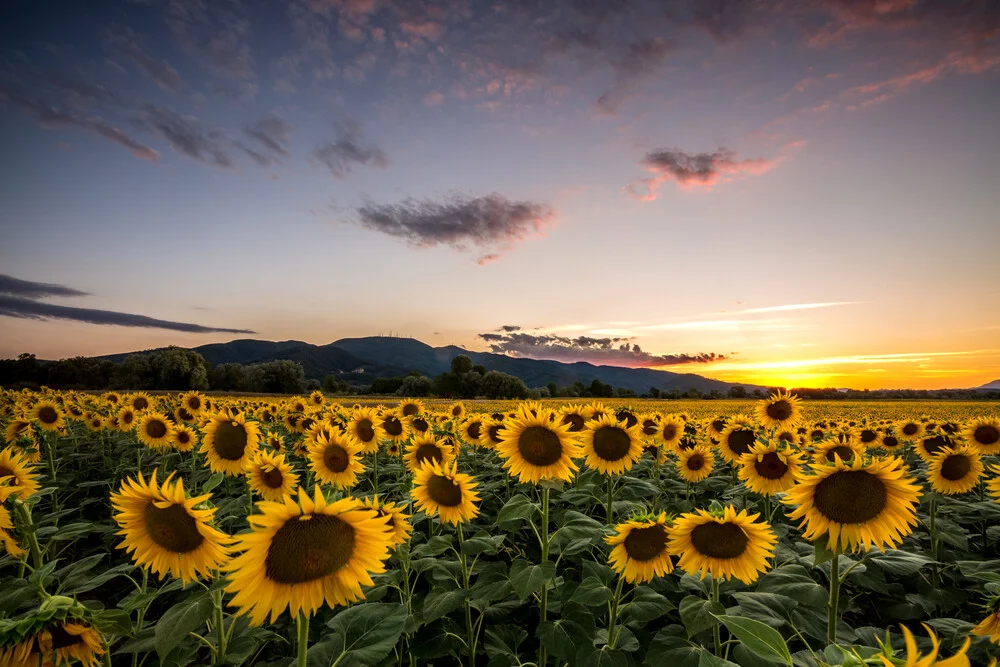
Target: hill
380, 356
991, 386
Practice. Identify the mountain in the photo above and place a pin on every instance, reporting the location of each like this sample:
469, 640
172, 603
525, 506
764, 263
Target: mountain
381, 356
994, 386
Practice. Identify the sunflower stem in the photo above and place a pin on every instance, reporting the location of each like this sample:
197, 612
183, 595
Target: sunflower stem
544, 598
716, 626
142, 611
934, 539
24, 511
302, 639
375, 471
609, 506
471, 643
50, 459
613, 617
833, 617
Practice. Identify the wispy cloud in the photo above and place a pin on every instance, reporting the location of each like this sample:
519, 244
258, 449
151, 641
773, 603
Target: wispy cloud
852, 360
695, 170
350, 150
32, 290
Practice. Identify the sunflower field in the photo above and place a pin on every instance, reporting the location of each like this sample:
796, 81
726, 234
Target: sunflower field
186, 529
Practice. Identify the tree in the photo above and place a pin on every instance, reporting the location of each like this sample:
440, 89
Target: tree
553, 389
415, 386
461, 365
178, 369
228, 377
134, 372
737, 392
501, 385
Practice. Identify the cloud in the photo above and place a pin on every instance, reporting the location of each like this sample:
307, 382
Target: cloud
187, 135
214, 32
33, 290
490, 222
971, 22
433, 98
349, 150
125, 41
271, 136
640, 58
12, 306
882, 91
612, 351
693, 170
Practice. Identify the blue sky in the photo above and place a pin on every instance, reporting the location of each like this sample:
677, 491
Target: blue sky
792, 194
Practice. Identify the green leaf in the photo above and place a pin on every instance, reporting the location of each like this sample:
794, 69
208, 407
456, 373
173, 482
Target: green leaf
180, 620
760, 639
591, 593
820, 553
435, 546
440, 603
517, 510
212, 482
364, 634
899, 562
562, 638
527, 579
645, 606
696, 614
794, 581
770, 608
113, 622
482, 545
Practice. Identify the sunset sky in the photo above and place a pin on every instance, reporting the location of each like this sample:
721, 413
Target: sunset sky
783, 193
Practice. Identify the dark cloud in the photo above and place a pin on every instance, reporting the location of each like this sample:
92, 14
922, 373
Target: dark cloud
270, 136
187, 135
33, 290
488, 222
13, 306
125, 41
607, 351
509, 328
639, 59
216, 33
349, 150
695, 169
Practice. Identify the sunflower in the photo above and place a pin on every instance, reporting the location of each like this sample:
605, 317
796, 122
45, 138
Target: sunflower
316, 399
770, 469
138, 401
418, 424
574, 416
7, 529
993, 485
126, 419
856, 505
95, 422
695, 464
891, 442
984, 433
670, 431
596, 409
193, 402
336, 459
426, 449
228, 442
112, 397
165, 532
779, 410
627, 416
16, 474
304, 551
270, 476
18, 429
48, 415
456, 410
909, 429
915, 659
57, 643
738, 438
365, 426
955, 470
829, 451
155, 430
471, 430
639, 549
185, 438
398, 520
735, 545
296, 405
446, 492
275, 441
537, 447
410, 407
716, 427
990, 626
931, 445
393, 426
291, 421
610, 445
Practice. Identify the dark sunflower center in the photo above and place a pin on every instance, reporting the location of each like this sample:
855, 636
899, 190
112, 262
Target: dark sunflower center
410, 409
719, 425
366, 430
184, 414
955, 467
652, 450
574, 421
272, 478
816, 434
986, 435
890, 442
740, 440
628, 417
420, 424
7, 472
305, 550
770, 466
456, 411
156, 428
335, 458
140, 403
474, 430
845, 453
695, 462
127, 418
850, 496
443, 491
649, 427
183, 437
779, 410
428, 452
647, 543
911, 429
48, 415
230, 441
686, 443
611, 443
719, 540
494, 432
194, 403
868, 435
173, 528
669, 432
539, 446
392, 426
935, 444
63, 639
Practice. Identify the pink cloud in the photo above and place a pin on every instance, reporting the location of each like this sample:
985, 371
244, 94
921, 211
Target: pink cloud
429, 30
692, 171
433, 99
887, 89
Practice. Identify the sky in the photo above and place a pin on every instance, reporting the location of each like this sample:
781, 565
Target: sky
799, 194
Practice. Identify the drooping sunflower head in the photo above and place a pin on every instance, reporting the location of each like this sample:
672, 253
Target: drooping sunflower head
915, 659
394, 426
427, 449
229, 442
58, 642
649, 424
627, 417
112, 397
984, 433
410, 407
856, 505
335, 458
610, 445
639, 549
990, 626
48, 416
443, 491
275, 441
573, 416
717, 426
731, 545
831, 450
395, 517
670, 431
931, 445
366, 427
270, 476
779, 410
695, 463
955, 470
18, 429
16, 474
769, 469
537, 447
316, 399
155, 430
303, 552
738, 438
165, 531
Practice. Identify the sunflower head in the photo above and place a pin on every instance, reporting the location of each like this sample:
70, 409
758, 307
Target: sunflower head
537, 447
471, 429
829, 451
670, 431
695, 464
769, 469
446, 492
779, 410
139, 401
16, 475
955, 470
48, 416
270, 476
573, 416
738, 438
395, 517
984, 434
229, 442
932, 444
610, 445
366, 427
915, 659
639, 549
192, 402
155, 430
410, 407
428, 449
728, 545
335, 458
